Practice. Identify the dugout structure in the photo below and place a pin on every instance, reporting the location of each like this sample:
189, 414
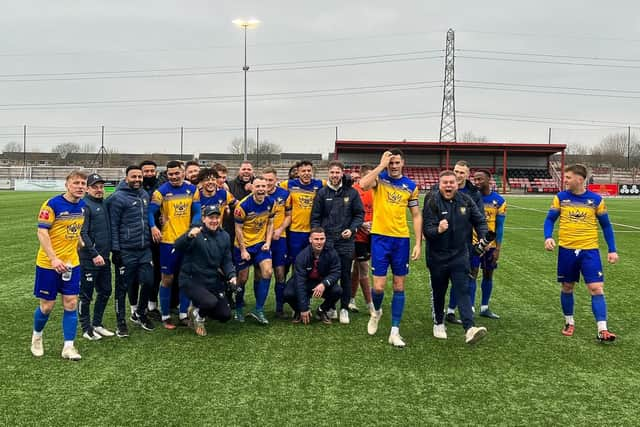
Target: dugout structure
530, 167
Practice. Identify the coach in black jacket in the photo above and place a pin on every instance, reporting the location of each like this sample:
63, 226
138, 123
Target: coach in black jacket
206, 268
94, 259
448, 219
338, 209
130, 246
316, 273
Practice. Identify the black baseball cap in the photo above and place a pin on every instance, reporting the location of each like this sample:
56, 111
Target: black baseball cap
94, 178
211, 210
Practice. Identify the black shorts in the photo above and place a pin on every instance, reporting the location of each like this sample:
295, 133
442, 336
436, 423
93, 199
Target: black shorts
363, 251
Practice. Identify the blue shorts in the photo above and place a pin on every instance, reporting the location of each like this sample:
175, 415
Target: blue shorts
257, 256
170, 258
572, 262
485, 261
279, 252
393, 251
296, 241
49, 284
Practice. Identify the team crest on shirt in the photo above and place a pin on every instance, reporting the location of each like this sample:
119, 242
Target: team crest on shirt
180, 208
590, 202
495, 203
577, 216
394, 197
73, 230
346, 200
463, 210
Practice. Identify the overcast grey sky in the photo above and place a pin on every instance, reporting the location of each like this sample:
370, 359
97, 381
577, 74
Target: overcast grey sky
373, 68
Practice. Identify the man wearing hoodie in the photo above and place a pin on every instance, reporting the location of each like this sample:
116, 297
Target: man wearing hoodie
130, 246
150, 183
337, 208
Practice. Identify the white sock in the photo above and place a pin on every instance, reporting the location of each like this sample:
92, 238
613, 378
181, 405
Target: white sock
602, 325
199, 319
165, 318
182, 316
37, 334
134, 308
569, 320
152, 306
352, 301
473, 309
395, 330
68, 344
196, 312
451, 310
484, 307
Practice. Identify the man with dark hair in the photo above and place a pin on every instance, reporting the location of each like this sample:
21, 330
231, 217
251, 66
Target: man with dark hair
130, 247
293, 171
393, 193
337, 208
580, 211
191, 171
57, 265
95, 266
150, 183
448, 219
495, 210
206, 269
362, 252
316, 273
179, 205
462, 172
303, 191
239, 188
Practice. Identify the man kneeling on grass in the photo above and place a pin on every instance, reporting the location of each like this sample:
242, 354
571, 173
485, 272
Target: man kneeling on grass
206, 269
317, 270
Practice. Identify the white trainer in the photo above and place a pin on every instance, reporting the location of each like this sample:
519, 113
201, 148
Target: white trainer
344, 316
103, 331
92, 335
372, 326
353, 307
474, 334
332, 313
70, 353
439, 331
396, 340
37, 347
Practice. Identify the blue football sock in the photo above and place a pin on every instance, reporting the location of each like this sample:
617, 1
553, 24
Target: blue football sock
262, 293
566, 300
39, 320
472, 291
487, 288
280, 295
453, 302
599, 307
184, 302
240, 298
69, 324
377, 297
397, 307
165, 300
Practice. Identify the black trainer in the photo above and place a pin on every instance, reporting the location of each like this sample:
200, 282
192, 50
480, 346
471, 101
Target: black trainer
323, 316
145, 323
122, 331
135, 318
451, 318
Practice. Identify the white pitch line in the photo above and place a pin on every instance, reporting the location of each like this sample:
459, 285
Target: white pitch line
540, 210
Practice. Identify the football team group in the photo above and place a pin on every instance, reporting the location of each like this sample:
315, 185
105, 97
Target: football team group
182, 245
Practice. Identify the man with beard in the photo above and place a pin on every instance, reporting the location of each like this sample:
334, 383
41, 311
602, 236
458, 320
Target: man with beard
150, 183
179, 205
254, 231
239, 188
130, 247
337, 208
191, 171
448, 219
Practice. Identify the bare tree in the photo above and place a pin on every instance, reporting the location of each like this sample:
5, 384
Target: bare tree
88, 147
578, 153
616, 149
66, 148
469, 136
237, 145
12, 147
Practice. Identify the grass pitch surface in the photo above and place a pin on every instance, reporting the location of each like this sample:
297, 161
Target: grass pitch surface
524, 372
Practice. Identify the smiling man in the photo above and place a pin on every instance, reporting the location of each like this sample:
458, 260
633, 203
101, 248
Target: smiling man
57, 266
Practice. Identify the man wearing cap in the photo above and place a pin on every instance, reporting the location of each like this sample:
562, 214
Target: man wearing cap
95, 268
206, 269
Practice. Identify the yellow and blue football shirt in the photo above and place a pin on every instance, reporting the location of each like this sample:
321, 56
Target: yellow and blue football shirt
578, 219
494, 206
220, 198
176, 205
391, 198
302, 196
64, 221
281, 205
254, 218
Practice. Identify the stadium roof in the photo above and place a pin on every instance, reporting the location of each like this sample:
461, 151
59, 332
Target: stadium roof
377, 146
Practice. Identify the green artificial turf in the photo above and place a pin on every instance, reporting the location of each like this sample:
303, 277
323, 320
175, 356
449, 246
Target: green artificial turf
524, 373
